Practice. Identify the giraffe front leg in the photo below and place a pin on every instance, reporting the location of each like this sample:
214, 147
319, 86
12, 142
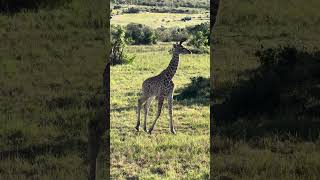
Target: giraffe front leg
170, 108
160, 103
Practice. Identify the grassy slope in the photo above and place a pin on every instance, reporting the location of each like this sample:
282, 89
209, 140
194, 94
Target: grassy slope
51, 63
160, 155
241, 28
159, 19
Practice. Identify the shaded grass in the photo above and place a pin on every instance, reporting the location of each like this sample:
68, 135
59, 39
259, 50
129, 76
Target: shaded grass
159, 19
51, 64
241, 29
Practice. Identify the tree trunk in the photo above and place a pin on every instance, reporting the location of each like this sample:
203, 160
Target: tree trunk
97, 127
100, 125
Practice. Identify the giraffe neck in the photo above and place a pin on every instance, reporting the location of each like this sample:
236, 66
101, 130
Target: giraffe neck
171, 70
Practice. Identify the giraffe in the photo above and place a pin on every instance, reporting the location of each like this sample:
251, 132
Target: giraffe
160, 86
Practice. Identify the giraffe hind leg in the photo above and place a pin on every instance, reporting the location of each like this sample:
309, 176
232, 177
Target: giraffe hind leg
160, 103
170, 105
140, 102
146, 110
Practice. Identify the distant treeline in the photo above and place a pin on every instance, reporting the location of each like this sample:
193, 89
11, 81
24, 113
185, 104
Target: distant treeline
153, 9
172, 3
137, 34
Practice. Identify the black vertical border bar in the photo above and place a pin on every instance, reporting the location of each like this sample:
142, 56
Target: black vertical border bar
214, 8
106, 78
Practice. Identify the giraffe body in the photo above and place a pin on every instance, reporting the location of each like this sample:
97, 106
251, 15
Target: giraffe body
161, 87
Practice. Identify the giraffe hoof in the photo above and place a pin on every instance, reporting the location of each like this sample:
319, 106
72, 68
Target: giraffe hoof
149, 132
173, 131
145, 130
137, 128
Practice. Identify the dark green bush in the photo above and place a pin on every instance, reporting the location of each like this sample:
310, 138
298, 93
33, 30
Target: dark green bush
132, 10
140, 34
171, 10
199, 40
187, 18
171, 34
205, 31
117, 7
118, 43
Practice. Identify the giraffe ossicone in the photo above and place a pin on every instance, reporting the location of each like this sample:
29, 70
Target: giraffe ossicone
160, 86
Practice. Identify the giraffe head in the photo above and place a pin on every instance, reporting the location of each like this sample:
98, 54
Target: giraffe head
180, 49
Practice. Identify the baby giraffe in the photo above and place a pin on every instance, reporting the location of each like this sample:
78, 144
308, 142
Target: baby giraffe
160, 86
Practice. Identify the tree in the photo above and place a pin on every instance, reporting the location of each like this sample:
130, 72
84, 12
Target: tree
118, 43
140, 34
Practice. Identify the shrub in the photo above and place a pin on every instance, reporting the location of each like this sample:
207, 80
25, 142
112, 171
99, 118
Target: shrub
140, 34
187, 18
118, 43
204, 28
172, 10
171, 34
117, 7
132, 10
199, 40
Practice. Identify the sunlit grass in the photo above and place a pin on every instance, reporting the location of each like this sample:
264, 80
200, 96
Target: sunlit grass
160, 155
160, 19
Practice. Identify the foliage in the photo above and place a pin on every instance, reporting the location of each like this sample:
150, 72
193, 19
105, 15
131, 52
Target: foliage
200, 38
140, 34
117, 7
132, 10
187, 18
171, 34
118, 43
173, 10
169, 3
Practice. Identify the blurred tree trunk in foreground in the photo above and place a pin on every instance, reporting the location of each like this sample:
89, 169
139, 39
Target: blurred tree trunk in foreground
100, 125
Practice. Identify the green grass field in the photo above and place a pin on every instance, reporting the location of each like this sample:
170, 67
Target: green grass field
155, 20
160, 155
